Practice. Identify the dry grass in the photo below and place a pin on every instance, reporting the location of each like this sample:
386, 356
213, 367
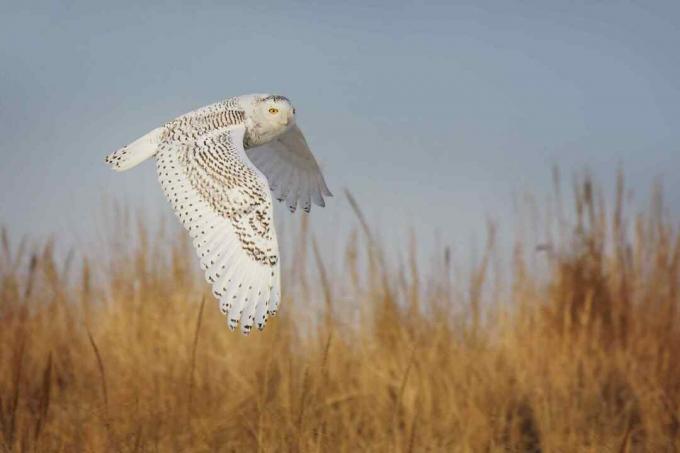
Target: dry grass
580, 351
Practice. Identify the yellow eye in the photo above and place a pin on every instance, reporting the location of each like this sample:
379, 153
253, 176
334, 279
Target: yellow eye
273, 110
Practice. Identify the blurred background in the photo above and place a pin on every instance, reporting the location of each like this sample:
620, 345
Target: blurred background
445, 121
436, 115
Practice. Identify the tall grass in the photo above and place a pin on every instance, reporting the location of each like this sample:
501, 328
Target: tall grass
579, 351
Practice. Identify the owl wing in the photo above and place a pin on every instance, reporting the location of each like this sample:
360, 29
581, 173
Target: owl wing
224, 202
292, 171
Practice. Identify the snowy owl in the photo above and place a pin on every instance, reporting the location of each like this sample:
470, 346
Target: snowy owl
217, 165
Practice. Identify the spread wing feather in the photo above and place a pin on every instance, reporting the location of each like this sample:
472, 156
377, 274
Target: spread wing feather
224, 202
291, 169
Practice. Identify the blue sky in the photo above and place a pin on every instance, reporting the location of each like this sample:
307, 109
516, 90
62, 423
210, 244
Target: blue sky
435, 115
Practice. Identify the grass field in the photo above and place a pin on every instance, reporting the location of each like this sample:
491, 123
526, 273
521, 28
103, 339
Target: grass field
576, 349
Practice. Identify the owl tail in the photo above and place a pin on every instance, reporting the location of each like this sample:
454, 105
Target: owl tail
136, 152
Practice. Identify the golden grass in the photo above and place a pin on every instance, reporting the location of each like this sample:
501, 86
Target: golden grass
580, 351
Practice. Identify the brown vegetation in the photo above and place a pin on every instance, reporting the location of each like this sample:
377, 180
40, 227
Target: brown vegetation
579, 352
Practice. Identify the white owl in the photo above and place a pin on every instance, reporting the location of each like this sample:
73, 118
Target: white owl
216, 166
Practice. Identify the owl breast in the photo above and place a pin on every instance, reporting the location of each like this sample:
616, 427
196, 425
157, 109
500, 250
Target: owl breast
259, 133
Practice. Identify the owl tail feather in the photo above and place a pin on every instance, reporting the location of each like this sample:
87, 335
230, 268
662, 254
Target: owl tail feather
136, 152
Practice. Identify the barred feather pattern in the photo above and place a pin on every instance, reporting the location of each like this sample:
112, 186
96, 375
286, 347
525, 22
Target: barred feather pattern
225, 204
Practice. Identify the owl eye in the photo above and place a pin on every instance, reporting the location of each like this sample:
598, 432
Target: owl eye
273, 110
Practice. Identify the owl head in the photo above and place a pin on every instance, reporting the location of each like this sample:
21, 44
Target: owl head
276, 110
269, 117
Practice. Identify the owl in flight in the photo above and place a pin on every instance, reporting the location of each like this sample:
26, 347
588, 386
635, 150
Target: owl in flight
217, 166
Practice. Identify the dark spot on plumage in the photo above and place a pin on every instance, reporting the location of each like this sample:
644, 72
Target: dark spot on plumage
276, 98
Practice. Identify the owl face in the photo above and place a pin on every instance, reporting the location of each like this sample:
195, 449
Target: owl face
269, 117
277, 111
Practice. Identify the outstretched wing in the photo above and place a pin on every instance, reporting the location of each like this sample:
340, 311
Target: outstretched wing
292, 171
225, 203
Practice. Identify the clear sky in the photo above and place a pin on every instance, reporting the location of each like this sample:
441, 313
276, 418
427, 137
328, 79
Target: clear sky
433, 113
